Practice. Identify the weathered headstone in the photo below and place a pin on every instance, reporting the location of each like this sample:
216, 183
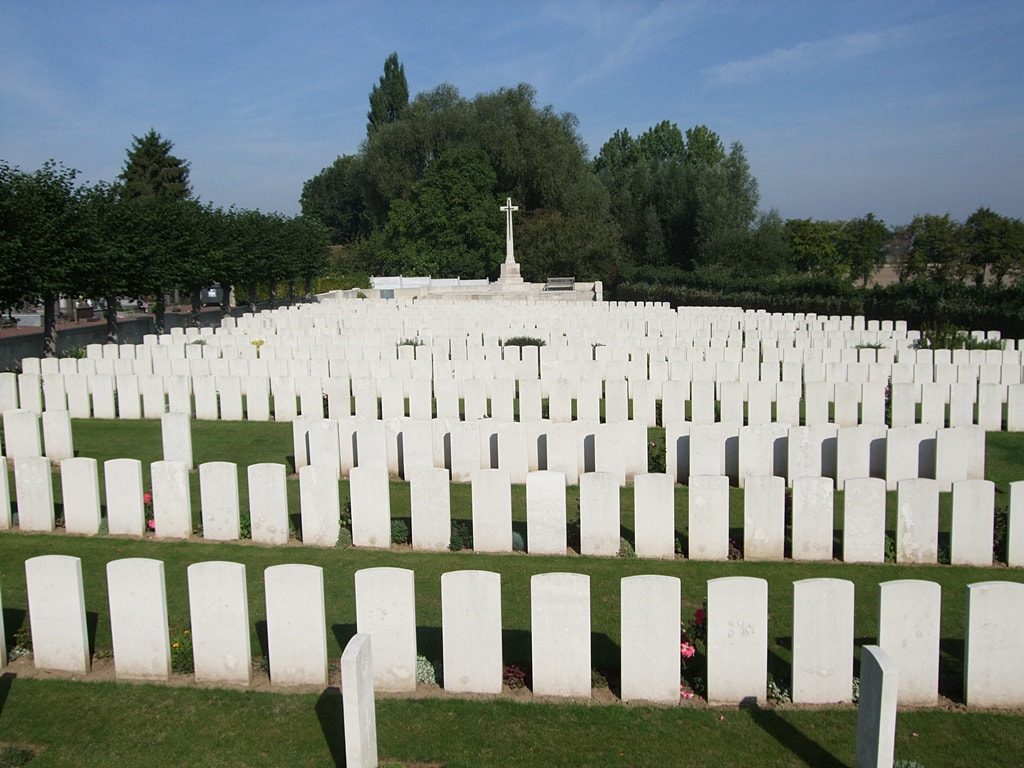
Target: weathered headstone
386, 610
993, 663
654, 516
125, 506
708, 531
172, 500
492, 511
471, 631
545, 513
80, 491
650, 610
876, 709
358, 706
909, 614
138, 618
737, 641
56, 612
218, 494
560, 634
296, 624
217, 598
176, 432
764, 518
917, 522
822, 641
319, 506
33, 484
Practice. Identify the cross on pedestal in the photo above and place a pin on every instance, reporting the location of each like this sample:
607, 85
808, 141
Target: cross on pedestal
508, 208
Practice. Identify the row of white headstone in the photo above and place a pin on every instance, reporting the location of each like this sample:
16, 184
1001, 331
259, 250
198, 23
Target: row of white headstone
231, 398
560, 629
654, 522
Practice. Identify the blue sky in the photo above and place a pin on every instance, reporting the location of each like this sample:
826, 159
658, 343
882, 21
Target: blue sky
896, 107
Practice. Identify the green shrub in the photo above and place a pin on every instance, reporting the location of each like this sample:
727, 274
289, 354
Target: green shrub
399, 532
626, 550
344, 538
518, 545
462, 536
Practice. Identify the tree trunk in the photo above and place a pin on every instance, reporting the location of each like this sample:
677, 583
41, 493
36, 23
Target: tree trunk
197, 298
160, 312
110, 311
309, 288
273, 295
252, 297
291, 291
225, 298
49, 326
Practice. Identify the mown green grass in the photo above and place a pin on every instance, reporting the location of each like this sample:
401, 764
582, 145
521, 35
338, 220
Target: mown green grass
154, 725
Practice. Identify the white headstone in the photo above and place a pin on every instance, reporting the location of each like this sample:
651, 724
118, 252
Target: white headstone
172, 500
123, 484
909, 626
176, 430
492, 511
471, 631
993, 662
822, 641
319, 506
650, 611
764, 518
80, 490
33, 483
917, 523
268, 503
370, 503
737, 641
973, 521
545, 513
21, 434
864, 520
56, 612
57, 440
654, 515
812, 518
217, 598
430, 500
360, 714
296, 624
876, 709
560, 634
138, 618
386, 610
218, 494
708, 517
599, 514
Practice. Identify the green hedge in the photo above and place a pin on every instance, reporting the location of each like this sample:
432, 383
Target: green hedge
921, 303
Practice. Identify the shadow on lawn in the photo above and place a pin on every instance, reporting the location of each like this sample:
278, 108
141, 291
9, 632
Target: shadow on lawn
6, 681
328, 712
790, 737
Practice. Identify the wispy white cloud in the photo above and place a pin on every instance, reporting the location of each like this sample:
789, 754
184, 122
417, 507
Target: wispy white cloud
840, 49
619, 36
805, 56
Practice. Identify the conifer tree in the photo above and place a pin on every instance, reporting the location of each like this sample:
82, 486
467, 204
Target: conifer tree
152, 171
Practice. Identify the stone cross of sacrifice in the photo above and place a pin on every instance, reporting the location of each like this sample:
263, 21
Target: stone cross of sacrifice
508, 208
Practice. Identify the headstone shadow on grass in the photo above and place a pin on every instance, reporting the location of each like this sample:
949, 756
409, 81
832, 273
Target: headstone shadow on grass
329, 713
808, 751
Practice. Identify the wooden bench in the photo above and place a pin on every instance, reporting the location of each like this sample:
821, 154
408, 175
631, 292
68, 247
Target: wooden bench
560, 284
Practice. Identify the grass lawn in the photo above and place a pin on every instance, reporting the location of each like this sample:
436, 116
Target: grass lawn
127, 724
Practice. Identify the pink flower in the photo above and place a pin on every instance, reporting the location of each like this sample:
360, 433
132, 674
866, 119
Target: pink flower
699, 616
686, 694
152, 525
147, 498
687, 650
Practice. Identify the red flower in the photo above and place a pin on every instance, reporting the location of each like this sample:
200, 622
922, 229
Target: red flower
147, 498
699, 616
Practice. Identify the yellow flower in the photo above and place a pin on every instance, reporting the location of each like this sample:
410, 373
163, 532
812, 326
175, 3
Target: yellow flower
186, 631
175, 645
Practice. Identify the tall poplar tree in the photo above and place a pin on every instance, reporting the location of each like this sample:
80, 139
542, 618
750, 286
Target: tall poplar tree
388, 99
